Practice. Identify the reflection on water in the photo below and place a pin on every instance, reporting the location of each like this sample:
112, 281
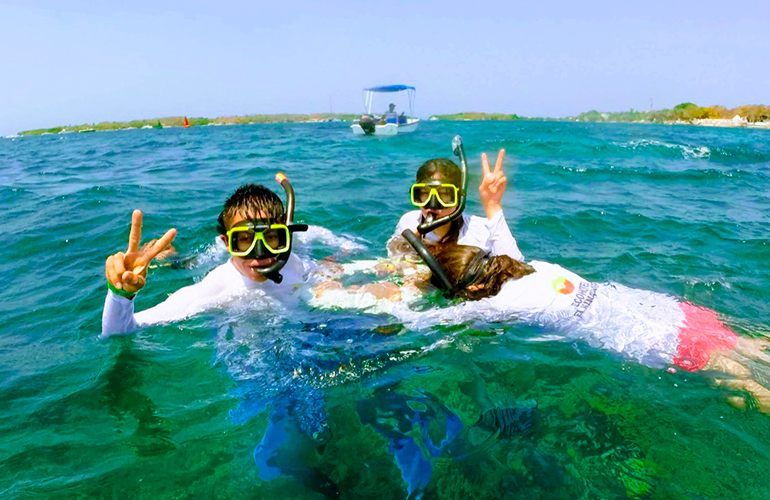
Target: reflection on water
122, 396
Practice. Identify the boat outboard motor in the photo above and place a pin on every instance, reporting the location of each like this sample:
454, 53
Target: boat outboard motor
367, 124
429, 224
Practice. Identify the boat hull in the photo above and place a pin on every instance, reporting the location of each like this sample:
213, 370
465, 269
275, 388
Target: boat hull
389, 129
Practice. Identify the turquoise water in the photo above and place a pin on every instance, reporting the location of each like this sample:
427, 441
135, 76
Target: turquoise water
176, 411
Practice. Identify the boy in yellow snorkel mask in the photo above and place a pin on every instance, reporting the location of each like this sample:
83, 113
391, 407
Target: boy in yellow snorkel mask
258, 233
439, 193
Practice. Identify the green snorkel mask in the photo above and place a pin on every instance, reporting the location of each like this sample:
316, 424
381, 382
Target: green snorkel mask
438, 195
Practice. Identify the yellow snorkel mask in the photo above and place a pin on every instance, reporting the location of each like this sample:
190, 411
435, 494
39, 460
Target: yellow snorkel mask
255, 239
261, 239
434, 195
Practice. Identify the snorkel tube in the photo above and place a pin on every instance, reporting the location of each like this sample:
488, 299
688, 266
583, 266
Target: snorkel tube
429, 224
431, 262
272, 272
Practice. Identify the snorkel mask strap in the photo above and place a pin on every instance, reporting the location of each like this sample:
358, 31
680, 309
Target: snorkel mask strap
430, 224
221, 229
272, 272
430, 261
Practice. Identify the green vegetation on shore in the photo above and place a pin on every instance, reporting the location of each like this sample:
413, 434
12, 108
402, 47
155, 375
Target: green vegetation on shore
477, 117
685, 112
177, 121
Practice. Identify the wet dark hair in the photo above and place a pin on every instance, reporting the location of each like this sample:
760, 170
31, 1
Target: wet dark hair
252, 199
455, 260
448, 171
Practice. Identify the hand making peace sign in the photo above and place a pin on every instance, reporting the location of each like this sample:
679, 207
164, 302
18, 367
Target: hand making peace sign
493, 184
127, 271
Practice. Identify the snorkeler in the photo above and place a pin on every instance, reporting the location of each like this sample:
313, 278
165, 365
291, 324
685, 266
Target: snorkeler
440, 192
655, 329
258, 234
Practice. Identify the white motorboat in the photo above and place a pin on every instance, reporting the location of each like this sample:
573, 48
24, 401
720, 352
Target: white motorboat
389, 123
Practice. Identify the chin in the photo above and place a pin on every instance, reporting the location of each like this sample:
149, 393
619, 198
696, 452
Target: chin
259, 278
252, 273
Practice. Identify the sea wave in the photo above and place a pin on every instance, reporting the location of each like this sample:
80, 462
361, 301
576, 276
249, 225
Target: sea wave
656, 173
346, 244
687, 151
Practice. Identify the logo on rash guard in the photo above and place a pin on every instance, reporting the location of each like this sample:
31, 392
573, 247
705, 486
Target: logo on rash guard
563, 285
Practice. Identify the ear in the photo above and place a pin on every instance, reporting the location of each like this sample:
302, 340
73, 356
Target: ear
223, 239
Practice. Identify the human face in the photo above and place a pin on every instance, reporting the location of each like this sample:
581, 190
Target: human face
246, 266
437, 212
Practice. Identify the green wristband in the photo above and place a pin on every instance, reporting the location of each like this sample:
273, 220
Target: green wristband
118, 291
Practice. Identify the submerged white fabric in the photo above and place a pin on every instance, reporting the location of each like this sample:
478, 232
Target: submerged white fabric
641, 325
215, 289
638, 324
491, 235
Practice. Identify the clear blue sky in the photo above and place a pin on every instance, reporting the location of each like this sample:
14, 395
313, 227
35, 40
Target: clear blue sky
72, 62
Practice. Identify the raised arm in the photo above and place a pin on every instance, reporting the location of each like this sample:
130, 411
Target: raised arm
493, 184
492, 188
126, 274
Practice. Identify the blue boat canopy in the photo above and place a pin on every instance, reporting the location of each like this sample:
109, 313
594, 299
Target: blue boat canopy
390, 88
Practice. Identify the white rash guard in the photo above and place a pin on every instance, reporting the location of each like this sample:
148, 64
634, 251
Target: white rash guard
641, 325
491, 235
652, 328
215, 289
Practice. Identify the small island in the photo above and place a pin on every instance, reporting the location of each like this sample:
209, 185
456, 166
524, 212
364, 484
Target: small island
476, 117
178, 121
752, 116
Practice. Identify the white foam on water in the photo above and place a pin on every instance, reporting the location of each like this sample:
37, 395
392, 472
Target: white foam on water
546, 338
370, 267
209, 256
213, 253
687, 151
696, 152
364, 266
321, 234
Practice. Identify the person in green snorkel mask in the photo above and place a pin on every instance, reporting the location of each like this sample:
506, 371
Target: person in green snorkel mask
439, 193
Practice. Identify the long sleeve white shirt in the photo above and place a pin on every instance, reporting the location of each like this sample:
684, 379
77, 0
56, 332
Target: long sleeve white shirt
215, 289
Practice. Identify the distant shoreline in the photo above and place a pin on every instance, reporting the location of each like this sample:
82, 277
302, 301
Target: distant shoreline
178, 122
754, 117
705, 122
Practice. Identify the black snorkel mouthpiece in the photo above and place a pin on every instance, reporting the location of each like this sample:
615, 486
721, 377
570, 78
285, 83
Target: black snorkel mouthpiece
441, 278
429, 223
272, 272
